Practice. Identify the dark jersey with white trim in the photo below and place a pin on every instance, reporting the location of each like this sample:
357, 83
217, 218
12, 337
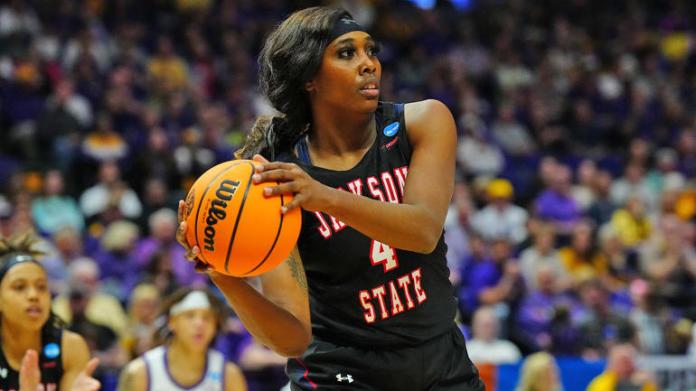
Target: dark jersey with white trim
363, 292
50, 362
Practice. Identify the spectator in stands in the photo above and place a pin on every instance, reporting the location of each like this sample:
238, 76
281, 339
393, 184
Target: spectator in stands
493, 281
669, 261
602, 208
582, 258
143, 308
103, 143
485, 346
500, 217
54, 209
650, 317
110, 198
476, 154
68, 247
555, 203
65, 116
631, 223
457, 230
665, 175
167, 71
101, 340
118, 265
157, 195
547, 318
583, 192
633, 183
539, 373
162, 237
601, 325
512, 136
622, 262
100, 308
621, 373
543, 253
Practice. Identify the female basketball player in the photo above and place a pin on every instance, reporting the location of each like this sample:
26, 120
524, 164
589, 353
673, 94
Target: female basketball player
34, 350
186, 361
374, 180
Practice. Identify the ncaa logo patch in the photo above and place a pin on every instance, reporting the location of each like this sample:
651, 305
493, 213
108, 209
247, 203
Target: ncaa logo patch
391, 129
51, 350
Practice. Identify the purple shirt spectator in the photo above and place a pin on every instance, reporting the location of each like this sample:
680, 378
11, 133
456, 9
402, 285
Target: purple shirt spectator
477, 275
556, 203
548, 321
184, 271
557, 207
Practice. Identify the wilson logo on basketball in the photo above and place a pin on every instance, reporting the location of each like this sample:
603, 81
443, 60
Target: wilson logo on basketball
223, 195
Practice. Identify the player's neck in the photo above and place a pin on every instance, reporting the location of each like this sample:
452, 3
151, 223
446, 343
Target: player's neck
180, 357
17, 340
341, 133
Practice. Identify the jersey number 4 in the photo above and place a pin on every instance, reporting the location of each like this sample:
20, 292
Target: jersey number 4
381, 253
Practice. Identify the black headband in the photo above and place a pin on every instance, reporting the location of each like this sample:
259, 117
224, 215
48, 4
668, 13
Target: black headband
343, 26
13, 260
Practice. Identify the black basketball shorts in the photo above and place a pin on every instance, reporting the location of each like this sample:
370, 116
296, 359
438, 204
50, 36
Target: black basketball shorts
441, 364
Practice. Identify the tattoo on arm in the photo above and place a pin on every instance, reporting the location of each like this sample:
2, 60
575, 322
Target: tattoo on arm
297, 271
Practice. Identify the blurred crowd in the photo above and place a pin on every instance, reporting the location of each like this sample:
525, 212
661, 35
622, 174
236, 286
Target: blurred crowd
572, 227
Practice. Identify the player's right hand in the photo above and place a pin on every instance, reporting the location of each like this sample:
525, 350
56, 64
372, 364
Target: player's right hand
192, 253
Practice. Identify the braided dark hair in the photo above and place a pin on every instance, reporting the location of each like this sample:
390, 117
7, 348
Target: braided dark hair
290, 57
19, 243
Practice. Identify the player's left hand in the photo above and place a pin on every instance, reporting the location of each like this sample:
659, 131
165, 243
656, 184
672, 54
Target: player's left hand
29, 373
85, 381
307, 193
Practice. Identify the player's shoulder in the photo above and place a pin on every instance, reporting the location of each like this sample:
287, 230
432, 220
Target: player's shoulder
137, 367
71, 339
134, 375
234, 378
75, 350
430, 115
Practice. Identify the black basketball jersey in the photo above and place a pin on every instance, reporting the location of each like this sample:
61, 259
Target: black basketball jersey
363, 292
50, 362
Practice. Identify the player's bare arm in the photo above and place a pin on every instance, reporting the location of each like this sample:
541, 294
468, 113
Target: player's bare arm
414, 225
78, 366
234, 378
278, 315
133, 377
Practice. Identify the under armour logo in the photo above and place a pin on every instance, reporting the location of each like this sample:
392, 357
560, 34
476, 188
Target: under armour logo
342, 378
3, 372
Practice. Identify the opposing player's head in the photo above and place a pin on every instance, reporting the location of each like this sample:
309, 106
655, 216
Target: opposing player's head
317, 56
25, 299
194, 317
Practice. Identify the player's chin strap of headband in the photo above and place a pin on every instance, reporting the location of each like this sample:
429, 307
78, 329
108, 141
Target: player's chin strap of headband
13, 259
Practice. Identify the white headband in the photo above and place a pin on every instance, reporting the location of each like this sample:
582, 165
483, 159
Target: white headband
195, 300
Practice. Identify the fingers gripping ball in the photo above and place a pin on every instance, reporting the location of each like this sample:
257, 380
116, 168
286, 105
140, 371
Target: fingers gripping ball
238, 230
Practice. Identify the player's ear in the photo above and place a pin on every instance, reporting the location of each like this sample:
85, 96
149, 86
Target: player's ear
310, 86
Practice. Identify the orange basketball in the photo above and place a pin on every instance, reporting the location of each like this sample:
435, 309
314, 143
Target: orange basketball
239, 231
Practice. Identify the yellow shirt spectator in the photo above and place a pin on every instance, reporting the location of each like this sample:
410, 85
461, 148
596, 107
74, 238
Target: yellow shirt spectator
631, 229
608, 381
102, 309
